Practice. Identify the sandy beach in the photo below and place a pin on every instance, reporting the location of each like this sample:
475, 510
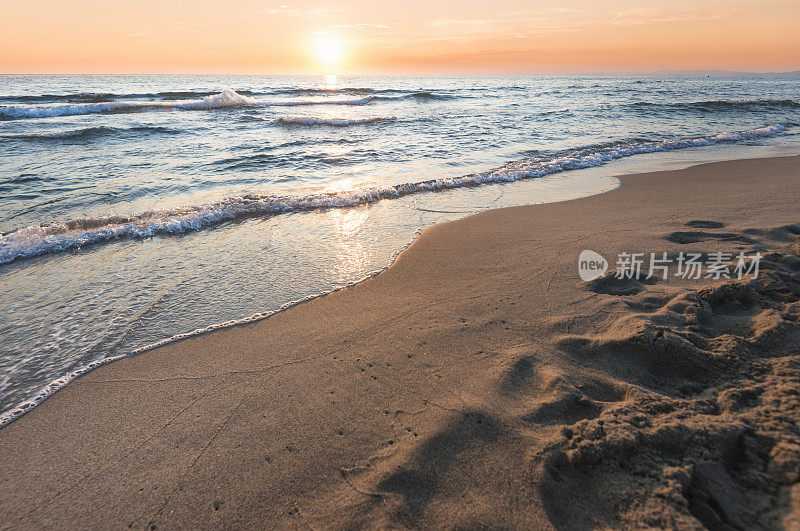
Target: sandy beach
477, 382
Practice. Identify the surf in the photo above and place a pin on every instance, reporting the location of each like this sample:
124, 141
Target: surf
227, 98
37, 240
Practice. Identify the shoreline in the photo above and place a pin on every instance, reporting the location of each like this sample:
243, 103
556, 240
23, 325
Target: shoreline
59, 384
634, 166
219, 373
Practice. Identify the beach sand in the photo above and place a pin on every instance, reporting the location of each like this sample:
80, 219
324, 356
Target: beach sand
476, 382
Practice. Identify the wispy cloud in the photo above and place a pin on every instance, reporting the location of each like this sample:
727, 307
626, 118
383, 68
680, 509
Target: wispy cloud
140, 34
463, 22
527, 24
653, 15
364, 26
186, 26
513, 25
288, 11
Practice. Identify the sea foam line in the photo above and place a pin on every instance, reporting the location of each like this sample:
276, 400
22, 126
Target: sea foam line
37, 240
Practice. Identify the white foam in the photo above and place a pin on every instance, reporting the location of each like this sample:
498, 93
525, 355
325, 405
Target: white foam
37, 240
226, 98
51, 388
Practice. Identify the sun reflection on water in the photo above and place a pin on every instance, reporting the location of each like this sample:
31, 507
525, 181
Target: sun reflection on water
331, 83
351, 256
345, 184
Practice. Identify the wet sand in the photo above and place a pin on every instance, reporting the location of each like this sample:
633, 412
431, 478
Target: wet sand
476, 382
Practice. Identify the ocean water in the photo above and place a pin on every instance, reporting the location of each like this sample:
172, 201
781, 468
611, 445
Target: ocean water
136, 209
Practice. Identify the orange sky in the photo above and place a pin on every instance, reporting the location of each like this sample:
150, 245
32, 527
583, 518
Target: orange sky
411, 36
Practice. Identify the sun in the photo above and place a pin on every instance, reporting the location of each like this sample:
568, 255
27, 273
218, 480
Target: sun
329, 51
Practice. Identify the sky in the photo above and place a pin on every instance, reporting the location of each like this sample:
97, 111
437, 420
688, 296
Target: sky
397, 37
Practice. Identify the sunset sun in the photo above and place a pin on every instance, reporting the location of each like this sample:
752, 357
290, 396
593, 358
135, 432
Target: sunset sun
328, 51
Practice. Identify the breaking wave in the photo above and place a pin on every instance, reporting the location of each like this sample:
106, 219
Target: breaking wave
51, 105
37, 240
188, 94
99, 97
225, 99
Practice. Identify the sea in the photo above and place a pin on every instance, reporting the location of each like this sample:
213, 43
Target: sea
136, 210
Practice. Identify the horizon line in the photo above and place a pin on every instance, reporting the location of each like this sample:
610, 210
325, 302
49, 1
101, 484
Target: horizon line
670, 71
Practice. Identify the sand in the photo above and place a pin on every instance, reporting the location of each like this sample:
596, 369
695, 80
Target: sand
476, 382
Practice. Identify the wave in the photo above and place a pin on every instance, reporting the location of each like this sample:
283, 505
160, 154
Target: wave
100, 97
21, 178
720, 105
554, 111
416, 96
51, 105
188, 94
332, 122
376, 94
225, 99
343, 90
82, 97
37, 240
299, 103
88, 133
89, 97
292, 159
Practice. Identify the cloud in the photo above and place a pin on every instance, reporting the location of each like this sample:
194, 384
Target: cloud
140, 34
186, 26
531, 24
288, 11
363, 26
463, 22
652, 15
